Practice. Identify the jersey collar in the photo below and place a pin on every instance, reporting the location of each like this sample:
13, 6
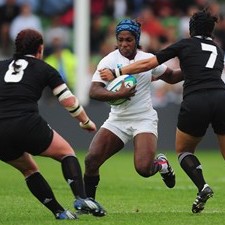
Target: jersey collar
207, 38
30, 56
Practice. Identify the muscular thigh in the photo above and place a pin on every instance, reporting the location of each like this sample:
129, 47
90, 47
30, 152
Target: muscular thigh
59, 148
104, 145
145, 145
186, 142
25, 164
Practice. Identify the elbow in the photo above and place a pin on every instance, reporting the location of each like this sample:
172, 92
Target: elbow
92, 95
68, 102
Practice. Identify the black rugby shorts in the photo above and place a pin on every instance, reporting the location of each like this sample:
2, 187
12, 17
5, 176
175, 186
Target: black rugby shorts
28, 133
201, 109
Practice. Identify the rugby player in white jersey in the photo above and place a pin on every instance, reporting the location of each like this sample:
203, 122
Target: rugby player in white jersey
135, 119
202, 62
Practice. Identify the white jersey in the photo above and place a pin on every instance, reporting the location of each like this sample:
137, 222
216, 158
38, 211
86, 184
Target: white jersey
141, 102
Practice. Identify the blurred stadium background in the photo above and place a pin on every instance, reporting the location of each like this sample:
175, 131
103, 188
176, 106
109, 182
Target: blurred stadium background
79, 33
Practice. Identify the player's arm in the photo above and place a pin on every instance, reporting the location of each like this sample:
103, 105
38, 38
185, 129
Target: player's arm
134, 68
71, 103
171, 76
99, 92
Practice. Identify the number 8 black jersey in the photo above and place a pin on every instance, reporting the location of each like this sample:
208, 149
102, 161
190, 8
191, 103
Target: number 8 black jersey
201, 61
20, 92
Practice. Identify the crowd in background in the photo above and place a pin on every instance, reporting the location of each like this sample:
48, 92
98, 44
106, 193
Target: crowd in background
163, 22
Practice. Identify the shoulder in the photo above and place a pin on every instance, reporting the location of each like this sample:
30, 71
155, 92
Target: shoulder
4, 65
180, 43
111, 57
143, 55
5, 62
42, 66
113, 54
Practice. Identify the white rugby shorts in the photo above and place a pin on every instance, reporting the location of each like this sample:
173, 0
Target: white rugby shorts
127, 129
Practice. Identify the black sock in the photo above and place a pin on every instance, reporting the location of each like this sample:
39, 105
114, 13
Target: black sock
191, 165
40, 188
91, 184
73, 175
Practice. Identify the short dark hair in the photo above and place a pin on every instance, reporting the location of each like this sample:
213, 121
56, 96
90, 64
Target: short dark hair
28, 42
202, 23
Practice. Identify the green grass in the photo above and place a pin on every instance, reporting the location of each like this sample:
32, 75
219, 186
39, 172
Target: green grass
128, 198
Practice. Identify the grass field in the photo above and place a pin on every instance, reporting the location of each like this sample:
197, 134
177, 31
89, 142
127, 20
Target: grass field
128, 198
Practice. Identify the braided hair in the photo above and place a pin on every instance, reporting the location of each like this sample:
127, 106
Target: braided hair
27, 42
202, 23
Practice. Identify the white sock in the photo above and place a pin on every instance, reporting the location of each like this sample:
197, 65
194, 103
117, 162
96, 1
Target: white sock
164, 168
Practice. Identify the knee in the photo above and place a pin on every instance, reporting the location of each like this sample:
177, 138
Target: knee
143, 170
28, 171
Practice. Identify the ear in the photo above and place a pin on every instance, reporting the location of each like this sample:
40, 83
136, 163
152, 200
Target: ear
40, 52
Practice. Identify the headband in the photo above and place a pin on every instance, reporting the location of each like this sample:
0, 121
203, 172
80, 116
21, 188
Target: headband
129, 25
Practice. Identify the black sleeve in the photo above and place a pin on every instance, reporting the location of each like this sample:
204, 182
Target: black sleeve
54, 78
170, 52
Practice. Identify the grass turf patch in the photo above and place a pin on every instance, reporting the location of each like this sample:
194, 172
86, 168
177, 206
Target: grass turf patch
127, 197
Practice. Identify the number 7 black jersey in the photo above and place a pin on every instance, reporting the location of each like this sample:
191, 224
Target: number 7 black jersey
201, 61
20, 92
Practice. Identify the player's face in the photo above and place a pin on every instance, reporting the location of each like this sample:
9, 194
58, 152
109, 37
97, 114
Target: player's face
127, 44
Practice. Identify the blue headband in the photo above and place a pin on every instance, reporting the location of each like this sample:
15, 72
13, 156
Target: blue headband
129, 25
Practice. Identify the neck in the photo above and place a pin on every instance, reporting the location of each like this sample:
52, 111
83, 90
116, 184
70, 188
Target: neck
132, 56
202, 37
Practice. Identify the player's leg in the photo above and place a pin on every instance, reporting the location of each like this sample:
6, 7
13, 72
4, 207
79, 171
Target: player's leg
221, 140
145, 133
145, 145
218, 123
103, 146
185, 148
39, 187
61, 150
193, 120
146, 164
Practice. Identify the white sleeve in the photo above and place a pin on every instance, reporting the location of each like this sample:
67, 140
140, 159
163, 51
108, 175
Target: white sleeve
104, 63
159, 70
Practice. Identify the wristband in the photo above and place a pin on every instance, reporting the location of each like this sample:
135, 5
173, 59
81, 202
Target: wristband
86, 124
159, 70
74, 112
113, 73
118, 72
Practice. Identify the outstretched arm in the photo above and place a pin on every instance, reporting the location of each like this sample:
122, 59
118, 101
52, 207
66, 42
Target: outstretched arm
134, 68
71, 103
140, 66
171, 76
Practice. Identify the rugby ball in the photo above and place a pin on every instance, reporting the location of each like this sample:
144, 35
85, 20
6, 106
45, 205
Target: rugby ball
115, 85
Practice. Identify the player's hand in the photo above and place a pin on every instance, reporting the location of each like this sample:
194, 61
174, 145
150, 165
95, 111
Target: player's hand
126, 92
88, 125
106, 74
